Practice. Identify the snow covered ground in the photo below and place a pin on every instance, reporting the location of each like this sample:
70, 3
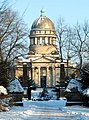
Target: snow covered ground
45, 110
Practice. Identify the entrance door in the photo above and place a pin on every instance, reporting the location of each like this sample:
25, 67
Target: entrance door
43, 81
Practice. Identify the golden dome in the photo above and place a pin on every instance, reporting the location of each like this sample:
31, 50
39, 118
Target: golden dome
43, 22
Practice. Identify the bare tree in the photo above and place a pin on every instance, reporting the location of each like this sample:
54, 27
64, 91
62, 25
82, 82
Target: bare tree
79, 42
13, 42
13, 34
61, 36
73, 42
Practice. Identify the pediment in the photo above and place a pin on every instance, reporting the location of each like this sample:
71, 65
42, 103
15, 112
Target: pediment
43, 59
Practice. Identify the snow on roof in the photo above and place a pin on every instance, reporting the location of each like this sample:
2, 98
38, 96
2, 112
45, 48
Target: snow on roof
15, 86
86, 92
29, 59
73, 86
3, 90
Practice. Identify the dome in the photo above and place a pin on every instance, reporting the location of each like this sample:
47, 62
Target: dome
43, 22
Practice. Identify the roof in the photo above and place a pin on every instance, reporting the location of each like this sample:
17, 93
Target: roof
43, 22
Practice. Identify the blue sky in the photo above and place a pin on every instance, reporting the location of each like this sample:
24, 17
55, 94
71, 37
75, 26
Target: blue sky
70, 10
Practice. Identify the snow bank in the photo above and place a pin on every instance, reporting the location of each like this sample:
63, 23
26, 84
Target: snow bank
15, 86
3, 90
80, 112
3, 107
74, 85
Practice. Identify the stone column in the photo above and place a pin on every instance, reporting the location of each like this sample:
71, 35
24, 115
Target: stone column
39, 76
62, 80
47, 75
33, 73
36, 41
54, 79
31, 41
51, 77
54, 41
46, 40
40, 40
54, 76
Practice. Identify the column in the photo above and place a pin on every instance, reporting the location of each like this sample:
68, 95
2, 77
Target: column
33, 73
54, 41
47, 79
39, 75
51, 76
40, 40
31, 41
54, 79
35, 41
46, 40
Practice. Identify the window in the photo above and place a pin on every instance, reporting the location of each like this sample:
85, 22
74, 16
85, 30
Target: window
42, 32
33, 32
47, 32
33, 41
49, 40
43, 41
38, 41
37, 32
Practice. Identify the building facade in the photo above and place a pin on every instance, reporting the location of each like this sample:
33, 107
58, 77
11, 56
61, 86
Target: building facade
43, 54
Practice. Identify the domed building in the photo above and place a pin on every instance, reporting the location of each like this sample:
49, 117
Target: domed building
43, 36
43, 55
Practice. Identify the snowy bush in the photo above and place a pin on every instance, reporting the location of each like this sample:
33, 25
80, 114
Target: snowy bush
15, 87
86, 92
74, 86
3, 90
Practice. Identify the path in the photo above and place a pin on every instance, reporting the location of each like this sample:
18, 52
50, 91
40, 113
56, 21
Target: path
48, 113
39, 110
